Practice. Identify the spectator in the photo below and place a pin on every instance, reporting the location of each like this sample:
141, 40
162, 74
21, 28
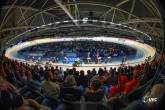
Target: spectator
70, 83
133, 83
70, 75
82, 79
11, 100
34, 85
95, 93
41, 71
50, 89
99, 76
93, 72
105, 71
111, 80
56, 68
88, 77
118, 89
157, 92
61, 72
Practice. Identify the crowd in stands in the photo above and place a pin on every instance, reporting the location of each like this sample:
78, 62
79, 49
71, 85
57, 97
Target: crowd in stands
24, 86
104, 48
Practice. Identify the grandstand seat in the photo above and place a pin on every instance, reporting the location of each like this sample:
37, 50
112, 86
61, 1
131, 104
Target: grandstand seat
143, 79
90, 101
72, 95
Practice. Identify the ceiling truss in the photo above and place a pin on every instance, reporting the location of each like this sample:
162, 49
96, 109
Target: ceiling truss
71, 9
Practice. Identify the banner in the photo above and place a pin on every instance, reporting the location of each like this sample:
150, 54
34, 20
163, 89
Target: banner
115, 55
73, 59
71, 54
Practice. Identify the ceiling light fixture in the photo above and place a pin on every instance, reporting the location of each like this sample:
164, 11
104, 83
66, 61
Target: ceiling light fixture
84, 21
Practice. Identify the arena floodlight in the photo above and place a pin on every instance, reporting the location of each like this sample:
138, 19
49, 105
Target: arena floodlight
125, 26
130, 27
37, 27
49, 24
138, 31
103, 21
84, 21
112, 23
65, 21
118, 24
94, 20
57, 22
27, 31
43, 25
75, 20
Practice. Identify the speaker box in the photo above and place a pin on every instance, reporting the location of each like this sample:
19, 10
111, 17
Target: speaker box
90, 14
138, 26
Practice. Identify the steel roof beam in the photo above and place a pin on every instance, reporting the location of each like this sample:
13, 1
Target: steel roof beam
3, 20
77, 14
142, 20
41, 13
78, 3
66, 11
25, 11
25, 7
133, 5
23, 16
119, 4
113, 16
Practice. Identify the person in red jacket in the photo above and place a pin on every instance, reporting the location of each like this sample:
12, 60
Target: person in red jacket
133, 83
118, 89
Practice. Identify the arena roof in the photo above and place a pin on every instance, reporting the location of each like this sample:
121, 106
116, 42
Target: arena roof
18, 16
